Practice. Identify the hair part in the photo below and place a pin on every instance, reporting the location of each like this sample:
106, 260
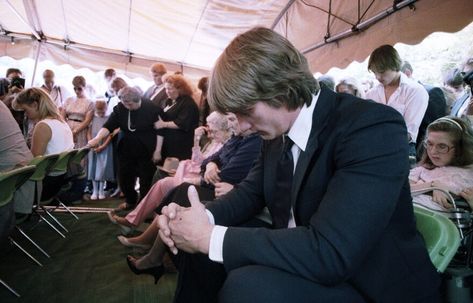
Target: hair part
13, 71
79, 81
462, 139
129, 94
118, 82
352, 84
109, 73
384, 58
158, 68
46, 106
180, 84
260, 66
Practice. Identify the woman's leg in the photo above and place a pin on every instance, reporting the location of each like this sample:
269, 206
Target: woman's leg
146, 207
101, 185
154, 257
148, 236
95, 190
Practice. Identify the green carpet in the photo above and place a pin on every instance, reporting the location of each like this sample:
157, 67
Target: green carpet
88, 266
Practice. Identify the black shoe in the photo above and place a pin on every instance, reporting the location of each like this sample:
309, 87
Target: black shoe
156, 271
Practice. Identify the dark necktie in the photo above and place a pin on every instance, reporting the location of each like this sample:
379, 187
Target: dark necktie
282, 194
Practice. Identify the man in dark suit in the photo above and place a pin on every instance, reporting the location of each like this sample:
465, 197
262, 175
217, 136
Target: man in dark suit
156, 92
333, 174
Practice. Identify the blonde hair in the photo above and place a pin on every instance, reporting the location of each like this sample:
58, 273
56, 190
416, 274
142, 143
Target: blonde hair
46, 106
260, 65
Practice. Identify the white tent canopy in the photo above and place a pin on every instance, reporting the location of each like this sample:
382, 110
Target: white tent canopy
189, 35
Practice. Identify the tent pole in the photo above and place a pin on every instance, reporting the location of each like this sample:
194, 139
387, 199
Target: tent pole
281, 13
36, 63
361, 26
33, 31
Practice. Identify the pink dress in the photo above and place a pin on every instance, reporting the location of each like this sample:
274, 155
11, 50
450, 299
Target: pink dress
76, 109
187, 169
454, 178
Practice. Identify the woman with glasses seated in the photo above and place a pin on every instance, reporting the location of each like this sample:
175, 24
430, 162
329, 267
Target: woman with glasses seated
78, 112
446, 163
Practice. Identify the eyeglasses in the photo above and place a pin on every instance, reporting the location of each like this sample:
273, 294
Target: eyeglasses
440, 148
78, 88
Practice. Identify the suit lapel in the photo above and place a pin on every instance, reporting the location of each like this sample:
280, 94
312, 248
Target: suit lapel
320, 118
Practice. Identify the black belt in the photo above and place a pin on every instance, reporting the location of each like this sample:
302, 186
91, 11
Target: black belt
76, 120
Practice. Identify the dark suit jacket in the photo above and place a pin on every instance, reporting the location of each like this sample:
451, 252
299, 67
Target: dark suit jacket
159, 100
235, 158
352, 207
437, 108
459, 103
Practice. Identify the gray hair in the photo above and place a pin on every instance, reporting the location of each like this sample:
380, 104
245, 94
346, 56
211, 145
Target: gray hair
219, 120
352, 84
129, 94
260, 65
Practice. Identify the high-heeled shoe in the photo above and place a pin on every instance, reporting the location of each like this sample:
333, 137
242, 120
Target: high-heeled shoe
156, 271
111, 217
125, 230
123, 240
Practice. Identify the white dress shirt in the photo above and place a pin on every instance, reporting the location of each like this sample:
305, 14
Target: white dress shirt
299, 133
58, 94
410, 99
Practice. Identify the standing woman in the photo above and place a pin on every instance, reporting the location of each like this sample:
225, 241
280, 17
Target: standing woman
78, 112
179, 119
204, 107
137, 143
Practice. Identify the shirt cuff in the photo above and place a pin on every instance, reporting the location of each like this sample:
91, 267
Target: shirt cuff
211, 217
216, 243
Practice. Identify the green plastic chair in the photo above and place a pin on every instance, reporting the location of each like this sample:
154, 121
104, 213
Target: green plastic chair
63, 161
44, 164
76, 163
9, 182
61, 167
441, 236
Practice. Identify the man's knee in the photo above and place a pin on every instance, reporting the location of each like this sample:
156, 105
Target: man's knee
247, 284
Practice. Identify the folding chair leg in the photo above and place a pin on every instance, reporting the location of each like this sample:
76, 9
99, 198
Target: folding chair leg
24, 251
69, 210
32, 242
9, 288
54, 218
51, 225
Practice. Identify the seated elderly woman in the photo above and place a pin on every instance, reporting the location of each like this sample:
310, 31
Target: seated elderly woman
350, 85
220, 128
221, 172
446, 163
51, 134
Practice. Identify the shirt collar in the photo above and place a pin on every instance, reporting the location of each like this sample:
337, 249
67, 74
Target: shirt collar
300, 130
404, 79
